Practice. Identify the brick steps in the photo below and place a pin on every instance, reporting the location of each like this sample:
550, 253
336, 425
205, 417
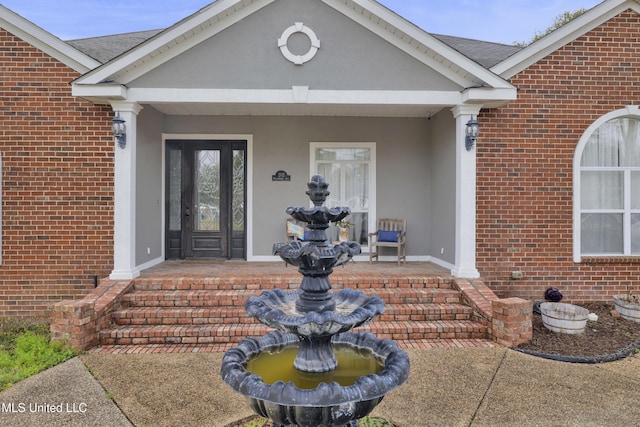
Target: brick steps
227, 298
215, 315
210, 311
223, 334
259, 283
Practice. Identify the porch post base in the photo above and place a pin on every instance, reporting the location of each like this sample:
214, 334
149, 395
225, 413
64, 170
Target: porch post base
124, 274
465, 272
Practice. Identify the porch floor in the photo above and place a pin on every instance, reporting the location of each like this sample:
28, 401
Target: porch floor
225, 268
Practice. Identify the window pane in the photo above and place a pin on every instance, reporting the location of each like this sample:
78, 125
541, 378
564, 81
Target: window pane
631, 148
635, 190
353, 154
602, 190
601, 234
604, 146
635, 234
331, 173
357, 186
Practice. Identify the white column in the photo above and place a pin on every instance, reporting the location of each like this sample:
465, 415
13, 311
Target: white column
465, 263
124, 227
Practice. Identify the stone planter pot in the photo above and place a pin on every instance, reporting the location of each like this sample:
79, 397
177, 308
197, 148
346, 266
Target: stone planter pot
564, 318
343, 235
629, 310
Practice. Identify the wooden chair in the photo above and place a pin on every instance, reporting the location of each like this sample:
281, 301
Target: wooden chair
390, 233
294, 230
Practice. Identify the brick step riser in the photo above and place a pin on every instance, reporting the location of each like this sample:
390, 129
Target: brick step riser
195, 335
234, 315
244, 284
235, 299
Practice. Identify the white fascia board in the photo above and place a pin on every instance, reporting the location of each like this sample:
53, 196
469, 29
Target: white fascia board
413, 41
489, 97
586, 22
100, 93
292, 96
45, 41
175, 40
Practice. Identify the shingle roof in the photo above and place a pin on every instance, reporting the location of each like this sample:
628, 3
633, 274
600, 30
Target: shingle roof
105, 48
484, 53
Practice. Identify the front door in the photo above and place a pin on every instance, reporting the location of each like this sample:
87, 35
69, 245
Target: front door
206, 182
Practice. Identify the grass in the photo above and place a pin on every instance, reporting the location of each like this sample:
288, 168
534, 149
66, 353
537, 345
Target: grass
369, 421
26, 349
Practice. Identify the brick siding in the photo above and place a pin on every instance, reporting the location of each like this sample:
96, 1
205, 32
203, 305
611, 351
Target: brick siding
57, 184
525, 167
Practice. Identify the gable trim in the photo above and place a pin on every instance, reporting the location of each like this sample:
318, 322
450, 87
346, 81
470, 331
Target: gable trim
539, 49
178, 39
223, 13
417, 43
45, 41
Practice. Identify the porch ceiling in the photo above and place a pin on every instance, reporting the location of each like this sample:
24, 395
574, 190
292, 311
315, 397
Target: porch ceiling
254, 109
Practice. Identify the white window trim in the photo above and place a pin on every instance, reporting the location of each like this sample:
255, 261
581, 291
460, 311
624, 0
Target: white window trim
630, 111
372, 173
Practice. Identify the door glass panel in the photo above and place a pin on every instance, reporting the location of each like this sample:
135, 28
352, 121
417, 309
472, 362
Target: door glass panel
206, 206
175, 190
237, 208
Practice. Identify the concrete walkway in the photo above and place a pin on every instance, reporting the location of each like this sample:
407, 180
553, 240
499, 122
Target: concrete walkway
447, 387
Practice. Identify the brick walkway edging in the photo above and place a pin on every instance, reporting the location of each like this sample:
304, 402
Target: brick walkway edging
509, 320
78, 322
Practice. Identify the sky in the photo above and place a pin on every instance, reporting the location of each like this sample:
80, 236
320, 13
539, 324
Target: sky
501, 21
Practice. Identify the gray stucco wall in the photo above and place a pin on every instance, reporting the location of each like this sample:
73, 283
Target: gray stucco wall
443, 195
403, 166
246, 56
149, 186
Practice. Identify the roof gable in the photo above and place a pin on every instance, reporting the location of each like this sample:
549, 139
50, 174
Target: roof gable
586, 22
246, 56
223, 14
46, 42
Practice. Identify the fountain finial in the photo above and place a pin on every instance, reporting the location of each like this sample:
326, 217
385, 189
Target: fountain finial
318, 190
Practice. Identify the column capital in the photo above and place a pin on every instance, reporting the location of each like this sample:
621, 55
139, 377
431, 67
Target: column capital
126, 106
466, 109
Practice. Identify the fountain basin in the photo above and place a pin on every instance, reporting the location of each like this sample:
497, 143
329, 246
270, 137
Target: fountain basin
315, 257
277, 308
280, 310
327, 404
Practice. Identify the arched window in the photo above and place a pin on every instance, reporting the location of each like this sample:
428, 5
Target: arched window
607, 187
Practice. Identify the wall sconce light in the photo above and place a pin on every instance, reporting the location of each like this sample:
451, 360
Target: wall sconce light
119, 130
472, 131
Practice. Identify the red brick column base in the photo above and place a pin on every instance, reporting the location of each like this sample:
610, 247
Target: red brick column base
77, 322
511, 321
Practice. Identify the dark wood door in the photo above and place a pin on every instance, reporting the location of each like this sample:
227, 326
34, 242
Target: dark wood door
206, 199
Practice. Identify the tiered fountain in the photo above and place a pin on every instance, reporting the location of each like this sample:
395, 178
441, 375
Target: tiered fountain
312, 372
